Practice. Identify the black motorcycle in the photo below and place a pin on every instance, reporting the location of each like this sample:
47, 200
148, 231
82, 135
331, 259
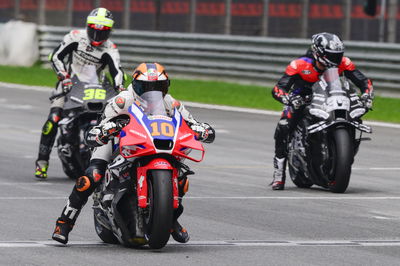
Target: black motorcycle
84, 104
322, 148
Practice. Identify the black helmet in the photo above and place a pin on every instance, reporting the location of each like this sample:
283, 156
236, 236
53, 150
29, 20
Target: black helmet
327, 49
99, 24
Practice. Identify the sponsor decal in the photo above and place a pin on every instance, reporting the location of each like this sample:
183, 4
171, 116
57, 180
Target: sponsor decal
88, 57
163, 117
120, 102
160, 163
185, 136
138, 133
140, 182
306, 72
152, 74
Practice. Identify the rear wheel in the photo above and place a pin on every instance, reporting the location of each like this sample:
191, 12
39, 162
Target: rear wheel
159, 222
343, 154
104, 233
298, 178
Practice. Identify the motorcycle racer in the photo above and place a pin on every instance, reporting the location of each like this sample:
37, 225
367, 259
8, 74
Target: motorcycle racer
294, 87
84, 53
146, 77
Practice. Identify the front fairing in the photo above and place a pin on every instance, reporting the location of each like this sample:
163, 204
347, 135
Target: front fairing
152, 131
87, 97
334, 101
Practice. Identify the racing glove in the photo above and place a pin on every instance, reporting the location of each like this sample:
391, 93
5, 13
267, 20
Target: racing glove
203, 132
119, 88
66, 83
100, 135
366, 99
296, 101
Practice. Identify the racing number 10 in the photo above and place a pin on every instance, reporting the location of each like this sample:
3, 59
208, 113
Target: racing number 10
97, 94
164, 129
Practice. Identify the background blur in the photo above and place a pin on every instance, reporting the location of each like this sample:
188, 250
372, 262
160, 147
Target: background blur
272, 18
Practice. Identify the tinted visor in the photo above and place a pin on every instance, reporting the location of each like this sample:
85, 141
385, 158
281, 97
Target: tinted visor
98, 34
141, 86
334, 58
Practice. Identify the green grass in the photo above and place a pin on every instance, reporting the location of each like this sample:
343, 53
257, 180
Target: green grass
385, 109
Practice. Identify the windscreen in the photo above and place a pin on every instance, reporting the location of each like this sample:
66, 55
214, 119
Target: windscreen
153, 103
332, 79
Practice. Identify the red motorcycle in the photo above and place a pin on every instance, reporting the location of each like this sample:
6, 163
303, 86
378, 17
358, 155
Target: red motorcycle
134, 205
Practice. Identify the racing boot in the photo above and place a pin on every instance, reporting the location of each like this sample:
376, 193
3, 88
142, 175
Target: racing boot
178, 232
61, 232
278, 183
65, 223
41, 169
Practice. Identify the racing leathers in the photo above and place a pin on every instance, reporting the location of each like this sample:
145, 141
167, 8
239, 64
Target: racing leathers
100, 137
292, 90
75, 56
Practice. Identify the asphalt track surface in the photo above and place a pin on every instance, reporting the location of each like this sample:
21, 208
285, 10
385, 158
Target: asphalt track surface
232, 215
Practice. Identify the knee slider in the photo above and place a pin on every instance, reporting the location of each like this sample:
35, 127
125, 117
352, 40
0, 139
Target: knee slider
83, 183
50, 126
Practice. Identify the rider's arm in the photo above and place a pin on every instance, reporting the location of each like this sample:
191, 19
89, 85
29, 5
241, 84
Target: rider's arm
171, 103
355, 75
204, 132
100, 134
112, 59
282, 88
69, 44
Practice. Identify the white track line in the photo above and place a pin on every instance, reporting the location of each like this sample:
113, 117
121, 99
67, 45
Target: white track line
220, 243
193, 104
238, 198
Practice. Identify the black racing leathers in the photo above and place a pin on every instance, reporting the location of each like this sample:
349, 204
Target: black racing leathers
298, 79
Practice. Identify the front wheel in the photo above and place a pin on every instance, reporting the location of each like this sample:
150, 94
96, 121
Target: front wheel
159, 222
343, 154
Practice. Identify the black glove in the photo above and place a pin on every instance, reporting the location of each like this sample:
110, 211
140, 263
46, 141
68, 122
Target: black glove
204, 132
296, 101
366, 99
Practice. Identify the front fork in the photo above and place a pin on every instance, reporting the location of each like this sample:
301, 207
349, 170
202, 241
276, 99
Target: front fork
141, 183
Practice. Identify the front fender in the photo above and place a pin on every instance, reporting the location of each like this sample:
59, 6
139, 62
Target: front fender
141, 183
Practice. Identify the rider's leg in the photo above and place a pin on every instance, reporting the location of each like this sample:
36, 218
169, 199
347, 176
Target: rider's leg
84, 187
285, 126
178, 232
49, 132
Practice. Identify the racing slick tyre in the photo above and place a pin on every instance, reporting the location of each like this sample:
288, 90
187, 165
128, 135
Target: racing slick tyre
159, 221
104, 233
343, 154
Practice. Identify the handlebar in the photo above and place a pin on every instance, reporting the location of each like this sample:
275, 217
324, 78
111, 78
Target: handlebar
57, 95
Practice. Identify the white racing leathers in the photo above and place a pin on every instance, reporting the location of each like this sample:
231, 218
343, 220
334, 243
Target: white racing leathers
118, 106
76, 56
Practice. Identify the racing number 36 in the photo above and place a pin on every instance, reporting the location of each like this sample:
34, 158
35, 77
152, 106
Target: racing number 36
163, 128
97, 94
